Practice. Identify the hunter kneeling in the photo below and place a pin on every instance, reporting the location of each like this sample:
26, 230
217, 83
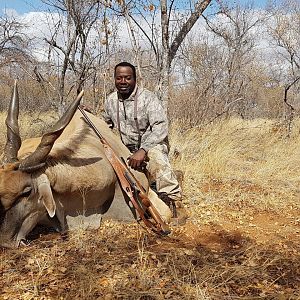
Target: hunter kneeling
142, 123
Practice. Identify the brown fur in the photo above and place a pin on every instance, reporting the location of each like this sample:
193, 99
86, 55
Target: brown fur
12, 184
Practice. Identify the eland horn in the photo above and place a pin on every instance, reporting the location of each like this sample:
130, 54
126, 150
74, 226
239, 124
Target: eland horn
13, 141
37, 159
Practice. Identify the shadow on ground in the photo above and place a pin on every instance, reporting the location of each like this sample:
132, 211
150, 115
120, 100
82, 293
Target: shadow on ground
121, 261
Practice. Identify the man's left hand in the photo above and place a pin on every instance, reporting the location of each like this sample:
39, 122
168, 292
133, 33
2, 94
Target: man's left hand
137, 159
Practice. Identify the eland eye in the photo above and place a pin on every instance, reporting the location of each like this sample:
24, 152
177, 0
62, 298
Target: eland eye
26, 192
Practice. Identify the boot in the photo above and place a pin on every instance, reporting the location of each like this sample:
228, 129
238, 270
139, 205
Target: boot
179, 214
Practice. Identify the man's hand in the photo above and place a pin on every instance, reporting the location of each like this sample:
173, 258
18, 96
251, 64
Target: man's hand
137, 159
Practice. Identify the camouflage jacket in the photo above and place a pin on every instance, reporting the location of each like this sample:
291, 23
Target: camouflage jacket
151, 118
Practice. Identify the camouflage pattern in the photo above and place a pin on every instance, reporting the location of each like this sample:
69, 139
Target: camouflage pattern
160, 171
152, 120
153, 127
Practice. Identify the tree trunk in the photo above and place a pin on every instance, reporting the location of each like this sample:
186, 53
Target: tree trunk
169, 51
163, 86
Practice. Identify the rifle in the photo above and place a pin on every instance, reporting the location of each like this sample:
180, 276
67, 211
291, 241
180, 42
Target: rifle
131, 186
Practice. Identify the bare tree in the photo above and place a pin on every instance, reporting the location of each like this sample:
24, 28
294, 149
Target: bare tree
222, 69
15, 56
284, 28
14, 43
170, 48
235, 31
165, 38
76, 44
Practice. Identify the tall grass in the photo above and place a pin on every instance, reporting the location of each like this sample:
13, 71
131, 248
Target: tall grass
242, 157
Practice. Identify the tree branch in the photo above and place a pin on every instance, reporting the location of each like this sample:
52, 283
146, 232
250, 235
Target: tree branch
187, 26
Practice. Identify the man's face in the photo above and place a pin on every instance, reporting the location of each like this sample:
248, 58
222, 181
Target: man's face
124, 81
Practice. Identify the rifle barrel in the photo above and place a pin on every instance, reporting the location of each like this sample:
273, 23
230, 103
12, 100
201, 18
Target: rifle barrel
88, 120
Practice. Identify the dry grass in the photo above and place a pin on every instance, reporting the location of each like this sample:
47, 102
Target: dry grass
242, 158
31, 125
241, 240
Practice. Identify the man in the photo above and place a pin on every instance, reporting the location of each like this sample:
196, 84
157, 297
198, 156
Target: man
142, 123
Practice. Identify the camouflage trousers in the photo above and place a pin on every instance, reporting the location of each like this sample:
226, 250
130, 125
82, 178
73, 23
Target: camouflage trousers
160, 171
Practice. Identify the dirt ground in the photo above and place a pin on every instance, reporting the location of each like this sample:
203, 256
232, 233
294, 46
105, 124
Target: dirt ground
257, 257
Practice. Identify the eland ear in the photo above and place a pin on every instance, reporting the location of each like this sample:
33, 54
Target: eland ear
45, 194
47, 199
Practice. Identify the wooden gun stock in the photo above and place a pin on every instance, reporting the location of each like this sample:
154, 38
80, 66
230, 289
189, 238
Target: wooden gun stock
150, 208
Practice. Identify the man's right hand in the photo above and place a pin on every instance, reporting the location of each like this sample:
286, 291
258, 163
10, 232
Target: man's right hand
136, 160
